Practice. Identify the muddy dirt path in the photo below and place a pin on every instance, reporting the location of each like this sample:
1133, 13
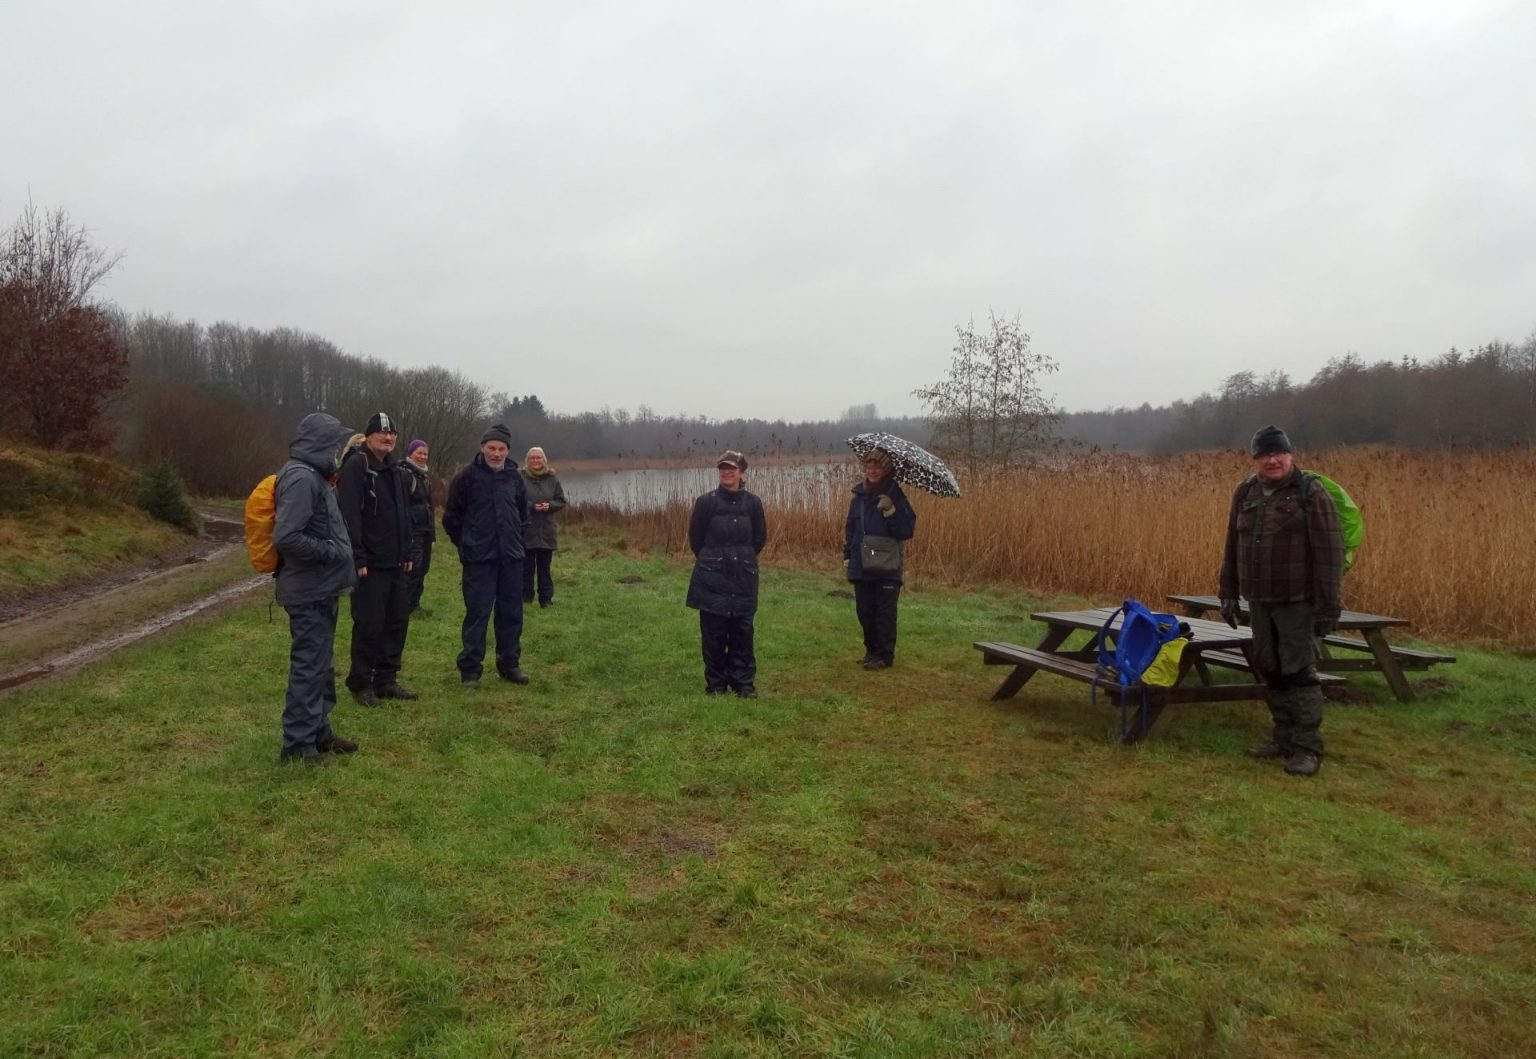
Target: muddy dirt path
64, 607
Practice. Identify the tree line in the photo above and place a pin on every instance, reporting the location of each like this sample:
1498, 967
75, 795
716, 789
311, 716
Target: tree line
1482, 398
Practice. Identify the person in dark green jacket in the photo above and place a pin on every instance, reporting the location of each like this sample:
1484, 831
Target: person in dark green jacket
545, 500
726, 533
1285, 555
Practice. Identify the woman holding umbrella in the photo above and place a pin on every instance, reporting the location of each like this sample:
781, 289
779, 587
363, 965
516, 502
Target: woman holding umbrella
879, 519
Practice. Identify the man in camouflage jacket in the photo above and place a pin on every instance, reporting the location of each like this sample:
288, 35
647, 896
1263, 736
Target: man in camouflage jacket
1285, 555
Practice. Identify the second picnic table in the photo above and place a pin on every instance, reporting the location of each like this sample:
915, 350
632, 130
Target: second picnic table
1384, 658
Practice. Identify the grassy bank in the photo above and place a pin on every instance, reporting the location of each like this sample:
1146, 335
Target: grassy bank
69, 517
857, 864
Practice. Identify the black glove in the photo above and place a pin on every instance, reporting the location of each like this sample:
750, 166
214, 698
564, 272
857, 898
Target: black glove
1229, 612
1324, 626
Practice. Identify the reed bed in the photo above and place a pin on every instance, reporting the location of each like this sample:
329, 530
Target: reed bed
1450, 538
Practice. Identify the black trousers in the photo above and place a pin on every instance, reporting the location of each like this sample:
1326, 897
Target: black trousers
498, 587
418, 574
875, 604
728, 659
381, 616
536, 572
311, 675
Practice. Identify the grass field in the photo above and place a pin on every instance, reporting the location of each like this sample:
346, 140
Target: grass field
857, 864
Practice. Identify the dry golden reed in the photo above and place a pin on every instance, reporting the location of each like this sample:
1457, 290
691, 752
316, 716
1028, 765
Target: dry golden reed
1450, 538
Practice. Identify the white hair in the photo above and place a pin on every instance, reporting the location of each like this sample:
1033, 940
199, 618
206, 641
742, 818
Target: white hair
531, 451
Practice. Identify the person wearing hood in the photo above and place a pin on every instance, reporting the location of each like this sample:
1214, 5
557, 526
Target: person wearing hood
314, 571
423, 522
373, 489
546, 498
879, 518
1284, 554
726, 532
486, 516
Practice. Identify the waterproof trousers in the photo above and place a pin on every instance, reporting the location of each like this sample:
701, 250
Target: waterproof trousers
311, 675
875, 604
492, 587
536, 573
1285, 652
418, 575
381, 616
729, 663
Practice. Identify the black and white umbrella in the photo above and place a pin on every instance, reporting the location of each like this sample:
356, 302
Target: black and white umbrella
915, 465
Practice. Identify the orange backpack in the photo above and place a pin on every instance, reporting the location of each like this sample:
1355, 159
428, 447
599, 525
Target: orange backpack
260, 514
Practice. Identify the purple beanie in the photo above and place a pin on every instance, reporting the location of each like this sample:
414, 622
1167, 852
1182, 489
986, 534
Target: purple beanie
413, 446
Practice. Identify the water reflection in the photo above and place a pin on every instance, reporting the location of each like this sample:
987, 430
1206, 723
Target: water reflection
648, 490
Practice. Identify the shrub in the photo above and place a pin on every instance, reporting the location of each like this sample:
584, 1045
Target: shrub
162, 494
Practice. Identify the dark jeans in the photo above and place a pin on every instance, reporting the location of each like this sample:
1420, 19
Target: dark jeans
728, 658
381, 615
418, 574
496, 586
1285, 652
311, 675
875, 604
536, 571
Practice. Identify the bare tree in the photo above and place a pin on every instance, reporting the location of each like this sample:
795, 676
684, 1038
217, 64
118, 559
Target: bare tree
61, 356
990, 410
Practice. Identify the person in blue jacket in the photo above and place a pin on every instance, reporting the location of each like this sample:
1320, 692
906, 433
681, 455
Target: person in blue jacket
485, 517
878, 509
725, 533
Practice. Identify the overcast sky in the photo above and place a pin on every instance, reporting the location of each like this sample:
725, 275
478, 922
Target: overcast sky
783, 209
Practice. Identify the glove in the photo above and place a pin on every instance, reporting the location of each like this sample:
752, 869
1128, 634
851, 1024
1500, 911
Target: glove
1229, 610
886, 505
1323, 626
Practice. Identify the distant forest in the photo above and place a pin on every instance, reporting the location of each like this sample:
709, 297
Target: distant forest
221, 401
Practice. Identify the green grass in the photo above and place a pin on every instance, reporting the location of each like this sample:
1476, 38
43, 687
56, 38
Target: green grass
858, 864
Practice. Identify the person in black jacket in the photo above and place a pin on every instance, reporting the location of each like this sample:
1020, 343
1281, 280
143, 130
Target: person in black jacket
423, 521
486, 516
726, 533
879, 509
373, 490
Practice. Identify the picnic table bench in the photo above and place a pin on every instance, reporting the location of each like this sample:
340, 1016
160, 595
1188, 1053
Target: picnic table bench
1209, 642
1388, 660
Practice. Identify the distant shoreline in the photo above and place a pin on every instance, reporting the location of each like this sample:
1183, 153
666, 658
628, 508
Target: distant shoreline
677, 463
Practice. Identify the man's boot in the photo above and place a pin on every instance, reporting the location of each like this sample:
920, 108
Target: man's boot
396, 690
1266, 751
1303, 763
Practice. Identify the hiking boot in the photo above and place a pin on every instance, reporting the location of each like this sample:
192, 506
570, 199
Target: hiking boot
1265, 751
746, 691
1304, 763
546, 603
307, 754
396, 690
365, 697
717, 691
514, 674
469, 680
877, 663
337, 745
868, 658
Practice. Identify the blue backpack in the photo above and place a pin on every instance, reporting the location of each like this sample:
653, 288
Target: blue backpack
1142, 637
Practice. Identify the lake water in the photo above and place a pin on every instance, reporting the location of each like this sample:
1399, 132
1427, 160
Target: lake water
647, 490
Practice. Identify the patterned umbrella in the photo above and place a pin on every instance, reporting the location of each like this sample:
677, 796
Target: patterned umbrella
915, 465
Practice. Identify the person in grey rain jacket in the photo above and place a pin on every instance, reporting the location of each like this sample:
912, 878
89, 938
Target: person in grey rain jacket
314, 571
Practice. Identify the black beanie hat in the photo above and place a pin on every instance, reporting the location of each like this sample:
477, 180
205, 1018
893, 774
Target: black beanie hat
1269, 439
380, 422
497, 432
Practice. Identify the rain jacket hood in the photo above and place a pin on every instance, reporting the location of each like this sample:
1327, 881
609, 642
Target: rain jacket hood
317, 441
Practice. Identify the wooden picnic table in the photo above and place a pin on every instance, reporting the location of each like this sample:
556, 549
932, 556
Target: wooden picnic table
1209, 642
1384, 658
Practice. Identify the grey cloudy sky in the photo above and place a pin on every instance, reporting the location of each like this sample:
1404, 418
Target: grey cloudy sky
783, 209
